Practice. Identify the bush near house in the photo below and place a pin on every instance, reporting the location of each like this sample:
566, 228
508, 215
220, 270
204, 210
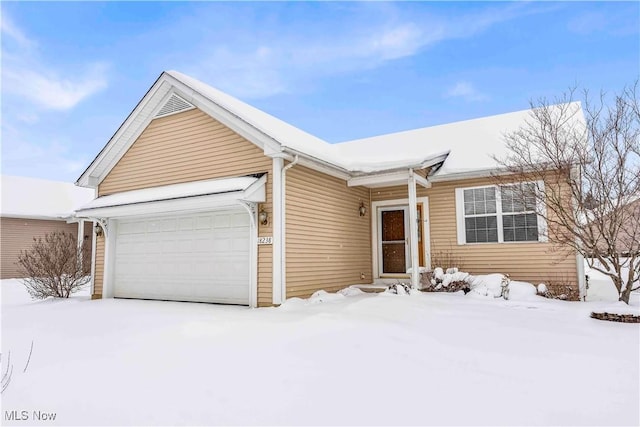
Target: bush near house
452, 281
54, 267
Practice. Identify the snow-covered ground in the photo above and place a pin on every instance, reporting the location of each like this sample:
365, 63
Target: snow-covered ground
601, 287
427, 359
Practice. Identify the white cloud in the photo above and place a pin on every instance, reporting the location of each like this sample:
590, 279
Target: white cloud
42, 85
466, 91
14, 33
50, 91
368, 36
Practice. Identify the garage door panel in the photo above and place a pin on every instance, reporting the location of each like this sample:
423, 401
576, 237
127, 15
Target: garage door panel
242, 220
203, 222
200, 257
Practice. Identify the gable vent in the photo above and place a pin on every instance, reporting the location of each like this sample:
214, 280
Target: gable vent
175, 104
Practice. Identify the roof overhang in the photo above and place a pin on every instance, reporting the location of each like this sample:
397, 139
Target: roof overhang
186, 197
397, 176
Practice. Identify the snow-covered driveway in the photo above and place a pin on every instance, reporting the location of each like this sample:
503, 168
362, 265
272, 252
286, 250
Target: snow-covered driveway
367, 359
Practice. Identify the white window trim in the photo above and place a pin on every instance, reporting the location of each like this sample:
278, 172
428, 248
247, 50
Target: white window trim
540, 209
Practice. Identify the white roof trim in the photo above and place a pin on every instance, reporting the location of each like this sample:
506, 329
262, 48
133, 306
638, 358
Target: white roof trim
126, 134
396, 176
380, 180
191, 196
469, 174
37, 217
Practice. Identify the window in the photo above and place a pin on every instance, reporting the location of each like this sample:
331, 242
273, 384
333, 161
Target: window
519, 218
498, 214
480, 218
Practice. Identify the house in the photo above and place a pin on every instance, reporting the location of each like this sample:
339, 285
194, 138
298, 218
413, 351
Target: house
617, 228
32, 208
202, 197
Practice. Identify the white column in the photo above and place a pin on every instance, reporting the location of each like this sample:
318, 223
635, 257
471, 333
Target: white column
80, 239
276, 221
94, 243
413, 231
108, 281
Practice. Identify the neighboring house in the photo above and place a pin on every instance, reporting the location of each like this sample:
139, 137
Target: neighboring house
621, 224
205, 198
31, 208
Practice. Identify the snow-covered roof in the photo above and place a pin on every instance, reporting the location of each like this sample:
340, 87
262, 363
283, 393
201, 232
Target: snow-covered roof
170, 192
40, 199
471, 143
292, 138
464, 146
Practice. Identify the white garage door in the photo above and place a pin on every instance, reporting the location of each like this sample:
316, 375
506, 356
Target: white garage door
198, 257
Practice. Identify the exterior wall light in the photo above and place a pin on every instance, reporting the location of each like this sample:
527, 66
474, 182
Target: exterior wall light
263, 217
98, 230
362, 210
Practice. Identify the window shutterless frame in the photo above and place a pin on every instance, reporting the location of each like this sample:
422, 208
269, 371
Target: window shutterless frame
460, 213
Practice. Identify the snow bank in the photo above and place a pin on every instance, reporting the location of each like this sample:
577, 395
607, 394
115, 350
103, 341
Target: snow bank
322, 296
600, 286
490, 285
619, 307
131, 362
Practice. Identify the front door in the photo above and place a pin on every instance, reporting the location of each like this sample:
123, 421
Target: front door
394, 239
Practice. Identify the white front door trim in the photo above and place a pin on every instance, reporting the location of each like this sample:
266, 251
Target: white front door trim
375, 242
407, 252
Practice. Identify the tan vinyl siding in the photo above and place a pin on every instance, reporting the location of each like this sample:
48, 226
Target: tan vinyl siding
533, 262
265, 252
192, 146
328, 244
17, 234
99, 268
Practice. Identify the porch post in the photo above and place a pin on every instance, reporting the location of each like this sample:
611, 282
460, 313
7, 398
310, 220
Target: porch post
413, 231
80, 240
108, 279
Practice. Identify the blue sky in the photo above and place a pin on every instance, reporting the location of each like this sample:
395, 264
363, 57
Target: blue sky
72, 72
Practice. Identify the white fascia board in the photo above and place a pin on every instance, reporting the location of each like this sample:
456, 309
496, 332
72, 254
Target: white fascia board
93, 175
254, 193
476, 173
189, 204
396, 175
381, 179
317, 164
37, 217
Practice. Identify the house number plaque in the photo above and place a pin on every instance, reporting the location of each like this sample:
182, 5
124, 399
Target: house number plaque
265, 240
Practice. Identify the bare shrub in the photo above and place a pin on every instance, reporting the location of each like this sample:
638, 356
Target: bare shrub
446, 259
589, 161
560, 288
54, 267
437, 281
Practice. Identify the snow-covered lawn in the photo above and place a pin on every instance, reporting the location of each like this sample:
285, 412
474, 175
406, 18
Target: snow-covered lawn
444, 359
600, 286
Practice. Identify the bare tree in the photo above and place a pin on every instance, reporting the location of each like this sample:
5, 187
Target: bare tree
53, 266
588, 161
